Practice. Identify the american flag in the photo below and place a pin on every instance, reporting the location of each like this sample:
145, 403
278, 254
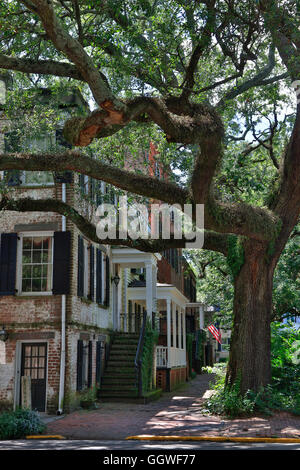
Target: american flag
216, 332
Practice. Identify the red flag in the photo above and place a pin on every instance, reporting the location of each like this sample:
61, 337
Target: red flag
215, 332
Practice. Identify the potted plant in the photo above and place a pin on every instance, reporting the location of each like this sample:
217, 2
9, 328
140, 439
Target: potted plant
88, 398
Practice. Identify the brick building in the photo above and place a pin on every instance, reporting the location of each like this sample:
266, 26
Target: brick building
64, 298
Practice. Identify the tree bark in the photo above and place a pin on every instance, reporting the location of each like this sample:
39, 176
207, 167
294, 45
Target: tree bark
249, 360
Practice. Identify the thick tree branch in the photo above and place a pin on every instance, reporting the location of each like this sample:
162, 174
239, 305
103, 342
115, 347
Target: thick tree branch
75, 52
242, 219
204, 41
192, 124
76, 161
285, 37
258, 80
212, 241
41, 67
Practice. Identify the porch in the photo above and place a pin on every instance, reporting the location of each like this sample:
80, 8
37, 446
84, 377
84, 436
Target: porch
169, 320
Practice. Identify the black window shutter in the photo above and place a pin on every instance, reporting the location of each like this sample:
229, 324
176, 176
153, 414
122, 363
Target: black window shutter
12, 144
98, 276
60, 139
61, 263
12, 177
98, 362
79, 364
90, 364
8, 262
80, 281
107, 284
92, 189
99, 195
82, 183
92, 271
63, 176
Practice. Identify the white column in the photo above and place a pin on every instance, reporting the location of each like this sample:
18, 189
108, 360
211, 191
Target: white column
154, 287
184, 332
115, 291
169, 330
125, 298
149, 289
174, 324
179, 328
201, 317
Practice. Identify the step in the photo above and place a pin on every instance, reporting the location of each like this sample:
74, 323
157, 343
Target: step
126, 335
122, 352
116, 368
117, 393
117, 383
122, 361
117, 387
124, 339
124, 347
121, 356
126, 342
134, 339
120, 374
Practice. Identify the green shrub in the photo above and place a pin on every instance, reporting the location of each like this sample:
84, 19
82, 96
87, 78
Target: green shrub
19, 423
150, 340
228, 401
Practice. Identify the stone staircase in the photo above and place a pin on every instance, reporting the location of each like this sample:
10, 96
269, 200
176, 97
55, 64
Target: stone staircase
119, 380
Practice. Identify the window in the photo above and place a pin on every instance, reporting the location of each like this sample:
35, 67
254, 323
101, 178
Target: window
35, 263
84, 184
36, 178
15, 143
157, 170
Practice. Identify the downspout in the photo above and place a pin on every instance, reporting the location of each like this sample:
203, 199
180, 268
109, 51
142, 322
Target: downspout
63, 328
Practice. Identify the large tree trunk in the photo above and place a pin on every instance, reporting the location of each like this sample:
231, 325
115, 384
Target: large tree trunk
250, 352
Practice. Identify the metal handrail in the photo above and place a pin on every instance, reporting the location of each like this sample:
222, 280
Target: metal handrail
138, 357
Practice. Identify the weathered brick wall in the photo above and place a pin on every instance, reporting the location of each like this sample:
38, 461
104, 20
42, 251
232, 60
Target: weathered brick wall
177, 376
39, 314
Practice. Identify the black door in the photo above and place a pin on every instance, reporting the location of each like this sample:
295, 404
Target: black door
34, 363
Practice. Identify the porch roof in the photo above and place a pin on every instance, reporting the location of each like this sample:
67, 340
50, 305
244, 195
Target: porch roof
131, 258
164, 292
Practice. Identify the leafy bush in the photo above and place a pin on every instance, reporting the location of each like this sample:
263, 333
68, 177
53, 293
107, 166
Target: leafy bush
150, 340
19, 423
282, 394
227, 401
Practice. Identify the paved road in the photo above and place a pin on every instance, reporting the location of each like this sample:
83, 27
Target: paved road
137, 445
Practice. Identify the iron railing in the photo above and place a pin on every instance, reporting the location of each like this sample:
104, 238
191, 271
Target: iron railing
139, 357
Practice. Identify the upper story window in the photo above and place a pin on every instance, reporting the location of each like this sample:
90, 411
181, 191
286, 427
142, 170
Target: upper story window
157, 170
36, 178
14, 143
35, 268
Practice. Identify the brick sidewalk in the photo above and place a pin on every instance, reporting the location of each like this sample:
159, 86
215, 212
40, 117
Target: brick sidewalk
177, 413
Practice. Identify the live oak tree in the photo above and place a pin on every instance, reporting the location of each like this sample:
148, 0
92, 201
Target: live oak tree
207, 74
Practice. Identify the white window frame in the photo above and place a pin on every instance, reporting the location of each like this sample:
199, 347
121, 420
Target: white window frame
21, 235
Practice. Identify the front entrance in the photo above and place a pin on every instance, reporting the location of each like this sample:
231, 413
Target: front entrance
34, 364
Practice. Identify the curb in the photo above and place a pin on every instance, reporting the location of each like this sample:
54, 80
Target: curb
285, 440
45, 437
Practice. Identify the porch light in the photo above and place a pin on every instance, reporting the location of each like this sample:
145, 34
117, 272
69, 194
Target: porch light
3, 334
116, 280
